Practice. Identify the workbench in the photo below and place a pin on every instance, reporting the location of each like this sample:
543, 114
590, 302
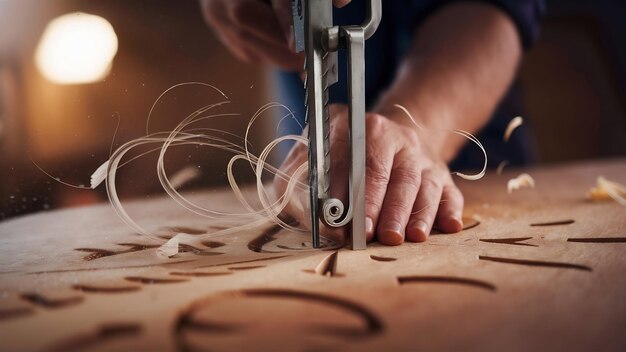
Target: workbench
538, 269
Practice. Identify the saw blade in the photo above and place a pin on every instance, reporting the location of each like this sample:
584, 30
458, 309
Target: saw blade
320, 73
297, 11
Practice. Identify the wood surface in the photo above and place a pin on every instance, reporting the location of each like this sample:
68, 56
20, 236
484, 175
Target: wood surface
79, 279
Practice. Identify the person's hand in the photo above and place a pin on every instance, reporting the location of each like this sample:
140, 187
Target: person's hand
408, 191
257, 31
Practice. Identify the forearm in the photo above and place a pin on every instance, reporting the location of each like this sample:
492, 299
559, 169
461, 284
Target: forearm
462, 61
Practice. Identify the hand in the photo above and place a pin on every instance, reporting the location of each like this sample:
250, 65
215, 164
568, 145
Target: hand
257, 31
407, 189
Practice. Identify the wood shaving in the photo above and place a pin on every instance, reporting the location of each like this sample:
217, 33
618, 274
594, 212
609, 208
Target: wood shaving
523, 180
183, 176
513, 124
605, 190
169, 248
501, 166
99, 175
462, 133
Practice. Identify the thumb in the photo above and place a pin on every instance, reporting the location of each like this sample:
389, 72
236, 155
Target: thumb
341, 3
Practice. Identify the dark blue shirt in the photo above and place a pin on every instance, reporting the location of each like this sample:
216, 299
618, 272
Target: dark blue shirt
385, 50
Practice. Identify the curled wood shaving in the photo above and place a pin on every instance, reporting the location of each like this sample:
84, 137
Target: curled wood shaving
99, 175
183, 176
501, 166
169, 248
513, 124
605, 190
523, 180
462, 133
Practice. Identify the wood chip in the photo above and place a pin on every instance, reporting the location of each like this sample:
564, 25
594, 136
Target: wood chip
523, 180
513, 124
99, 175
501, 166
605, 190
169, 248
184, 176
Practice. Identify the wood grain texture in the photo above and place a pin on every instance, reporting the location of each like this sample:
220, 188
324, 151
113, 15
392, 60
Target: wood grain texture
499, 285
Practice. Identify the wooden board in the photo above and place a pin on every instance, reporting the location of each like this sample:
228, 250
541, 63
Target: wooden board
79, 279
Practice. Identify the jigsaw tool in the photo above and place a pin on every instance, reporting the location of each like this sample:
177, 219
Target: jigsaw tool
316, 35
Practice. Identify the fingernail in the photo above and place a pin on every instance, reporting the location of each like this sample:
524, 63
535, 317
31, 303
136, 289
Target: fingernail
369, 225
392, 226
391, 233
459, 222
419, 230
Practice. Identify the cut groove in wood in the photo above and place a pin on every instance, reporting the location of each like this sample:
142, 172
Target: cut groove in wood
529, 262
199, 273
185, 248
446, 280
248, 267
210, 327
516, 241
12, 313
469, 223
597, 239
325, 245
244, 261
186, 230
45, 302
96, 253
213, 244
553, 223
104, 289
152, 281
187, 321
109, 268
91, 340
269, 235
380, 258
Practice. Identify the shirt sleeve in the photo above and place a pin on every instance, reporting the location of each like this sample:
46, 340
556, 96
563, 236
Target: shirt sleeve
526, 14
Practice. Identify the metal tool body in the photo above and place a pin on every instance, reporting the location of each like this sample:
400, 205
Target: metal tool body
320, 39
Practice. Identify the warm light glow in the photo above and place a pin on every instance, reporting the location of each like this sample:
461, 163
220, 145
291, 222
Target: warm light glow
76, 48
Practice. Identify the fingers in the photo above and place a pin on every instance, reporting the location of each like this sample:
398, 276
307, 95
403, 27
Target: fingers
282, 9
378, 164
260, 51
341, 3
451, 209
260, 19
402, 189
425, 206
407, 190
251, 31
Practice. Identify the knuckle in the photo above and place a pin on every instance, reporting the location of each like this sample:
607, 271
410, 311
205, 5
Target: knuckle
373, 207
375, 174
430, 183
453, 191
407, 176
411, 137
397, 206
375, 123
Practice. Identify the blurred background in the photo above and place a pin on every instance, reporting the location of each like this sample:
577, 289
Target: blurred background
62, 118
